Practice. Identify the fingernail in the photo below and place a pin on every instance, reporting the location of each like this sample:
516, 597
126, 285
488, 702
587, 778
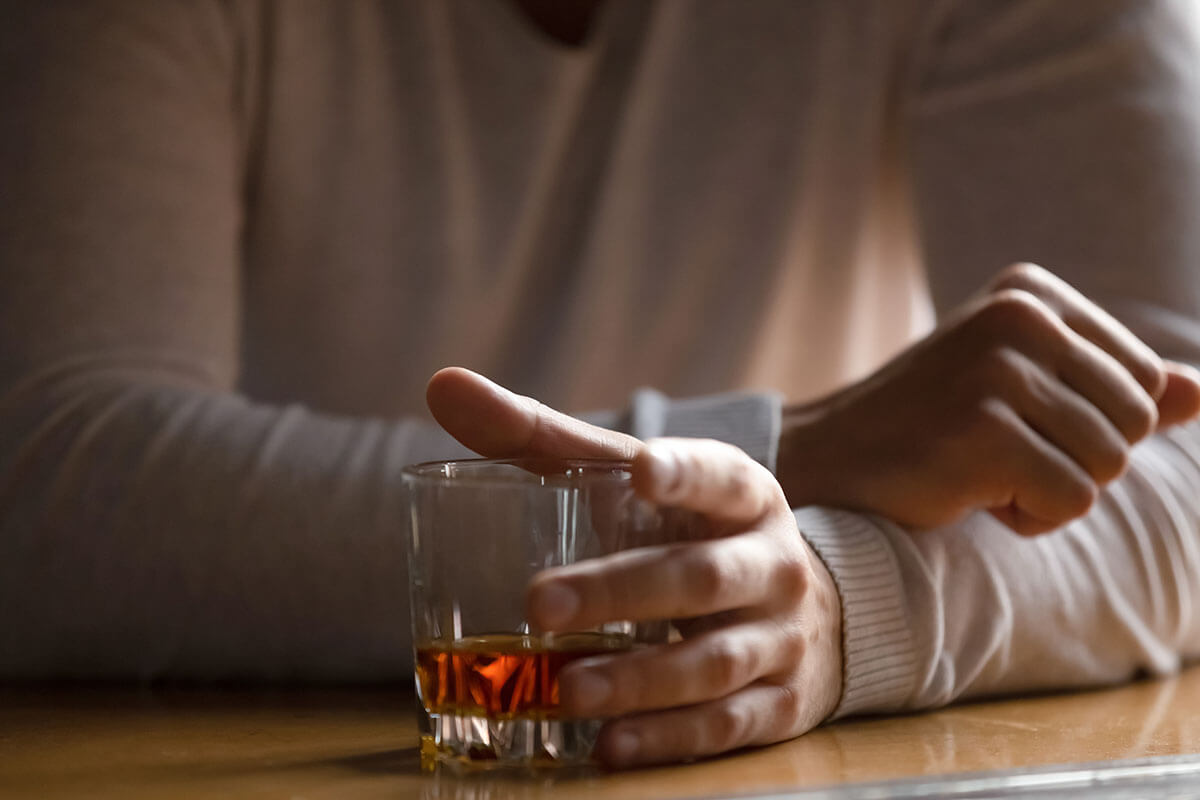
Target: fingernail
664, 469
589, 691
554, 604
623, 747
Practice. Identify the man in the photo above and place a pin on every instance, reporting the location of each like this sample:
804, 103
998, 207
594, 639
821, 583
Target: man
238, 236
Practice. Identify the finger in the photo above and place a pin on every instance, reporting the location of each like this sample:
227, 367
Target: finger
1021, 522
665, 582
1039, 479
696, 670
1098, 377
1180, 401
1089, 321
707, 476
1016, 316
497, 423
759, 714
1064, 418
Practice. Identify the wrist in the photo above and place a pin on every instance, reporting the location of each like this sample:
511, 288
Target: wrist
830, 644
877, 660
806, 462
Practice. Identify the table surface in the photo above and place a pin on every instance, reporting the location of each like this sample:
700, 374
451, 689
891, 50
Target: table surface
251, 743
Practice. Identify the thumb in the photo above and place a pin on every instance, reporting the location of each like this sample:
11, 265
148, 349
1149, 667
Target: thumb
707, 476
1180, 400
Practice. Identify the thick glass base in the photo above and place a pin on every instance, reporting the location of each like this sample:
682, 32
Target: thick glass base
477, 741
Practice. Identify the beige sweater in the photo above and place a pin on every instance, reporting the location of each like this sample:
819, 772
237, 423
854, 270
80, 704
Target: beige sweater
236, 238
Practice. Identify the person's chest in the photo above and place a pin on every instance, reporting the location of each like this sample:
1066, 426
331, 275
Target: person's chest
437, 182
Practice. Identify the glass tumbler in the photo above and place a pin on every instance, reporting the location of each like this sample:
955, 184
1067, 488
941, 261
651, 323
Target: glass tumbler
487, 681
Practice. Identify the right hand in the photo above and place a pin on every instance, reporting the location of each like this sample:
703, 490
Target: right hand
1024, 402
761, 656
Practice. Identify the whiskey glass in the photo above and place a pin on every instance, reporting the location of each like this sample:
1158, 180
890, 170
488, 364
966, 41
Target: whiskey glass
480, 529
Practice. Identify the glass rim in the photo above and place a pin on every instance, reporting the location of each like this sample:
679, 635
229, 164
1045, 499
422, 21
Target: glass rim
532, 471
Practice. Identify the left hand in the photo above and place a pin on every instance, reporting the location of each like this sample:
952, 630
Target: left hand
761, 660
1026, 401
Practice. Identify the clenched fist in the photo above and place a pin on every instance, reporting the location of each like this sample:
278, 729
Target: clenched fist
1024, 402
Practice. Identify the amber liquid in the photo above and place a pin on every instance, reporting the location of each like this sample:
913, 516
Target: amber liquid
504, 675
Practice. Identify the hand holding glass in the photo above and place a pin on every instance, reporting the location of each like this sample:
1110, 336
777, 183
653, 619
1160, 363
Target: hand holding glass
480, 530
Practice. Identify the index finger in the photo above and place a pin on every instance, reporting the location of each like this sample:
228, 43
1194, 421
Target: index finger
684, 580
497, 423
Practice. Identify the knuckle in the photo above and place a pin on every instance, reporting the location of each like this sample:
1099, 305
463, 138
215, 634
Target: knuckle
1002, 367
618, 593
794, 645
792, 707
704, 577
726, 726
1142, 419
1111, 463
989, 421
630, 688
1019, 275
1007, 311
693, 469
724, 668
1078, 498
791, 580
600, 594
1151, 373
739, 482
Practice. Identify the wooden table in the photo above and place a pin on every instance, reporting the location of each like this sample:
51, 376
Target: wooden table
187, 743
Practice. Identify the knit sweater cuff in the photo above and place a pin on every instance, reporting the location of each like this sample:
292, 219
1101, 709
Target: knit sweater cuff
878, 653
750, 421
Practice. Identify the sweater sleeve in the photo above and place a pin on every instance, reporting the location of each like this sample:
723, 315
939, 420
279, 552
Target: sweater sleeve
1067, 135
154, 522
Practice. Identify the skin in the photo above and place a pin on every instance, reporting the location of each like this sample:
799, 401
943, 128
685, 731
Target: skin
1054, 390
760, 660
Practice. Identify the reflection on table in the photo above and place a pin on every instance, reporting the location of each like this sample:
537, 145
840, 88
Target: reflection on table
131, 743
